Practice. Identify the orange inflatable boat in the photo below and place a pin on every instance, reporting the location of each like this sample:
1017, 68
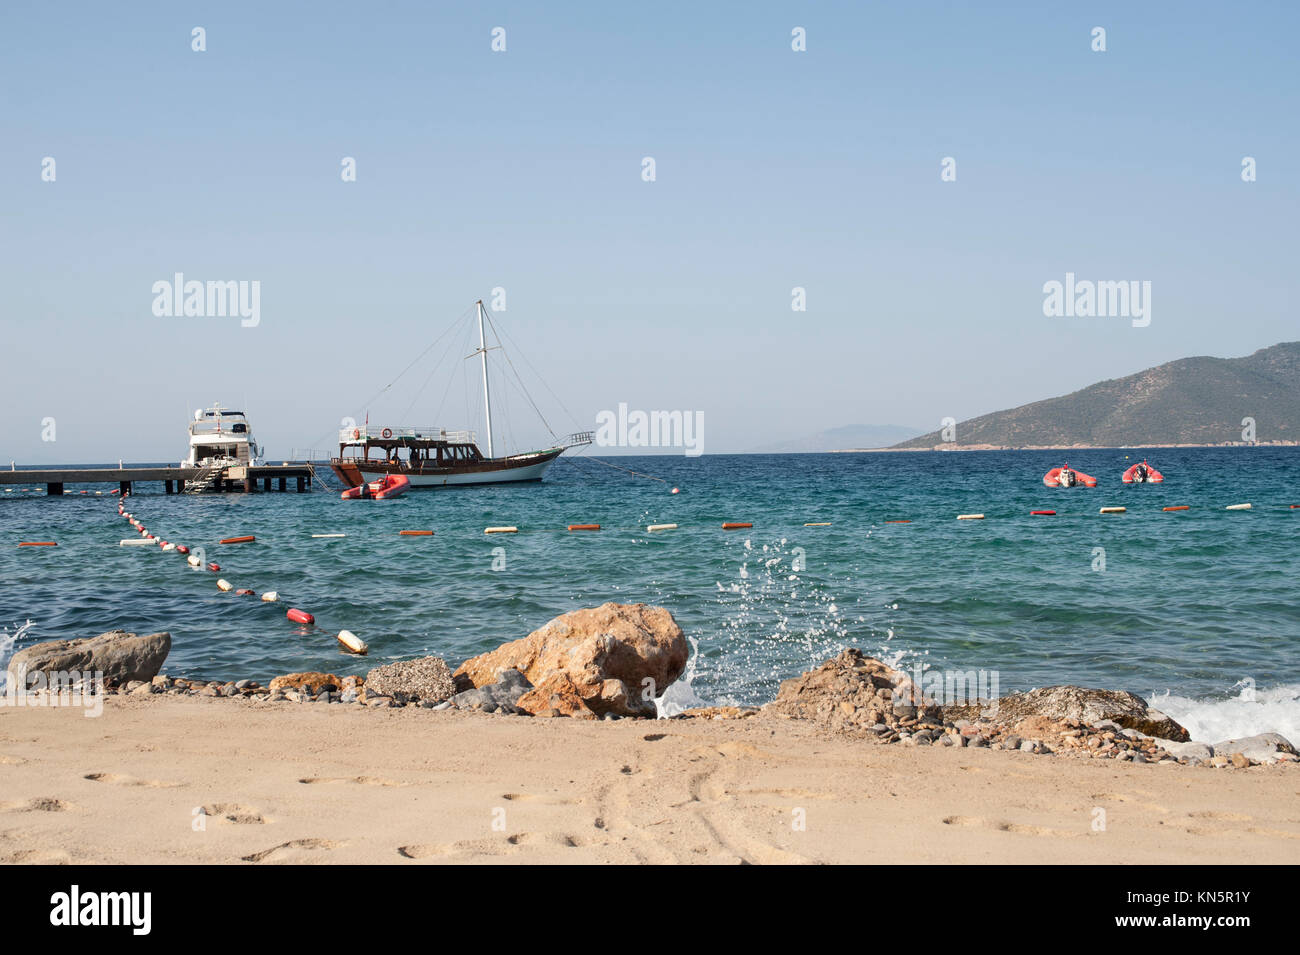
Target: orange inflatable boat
390, 485
1068, 477
1142, 474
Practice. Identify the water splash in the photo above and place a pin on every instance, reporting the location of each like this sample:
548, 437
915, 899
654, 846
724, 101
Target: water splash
8, 640
1249, 712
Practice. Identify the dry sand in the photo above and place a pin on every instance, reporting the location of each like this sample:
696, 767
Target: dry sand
322, 783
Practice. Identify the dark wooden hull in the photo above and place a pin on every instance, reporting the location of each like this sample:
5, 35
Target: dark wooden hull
517, 469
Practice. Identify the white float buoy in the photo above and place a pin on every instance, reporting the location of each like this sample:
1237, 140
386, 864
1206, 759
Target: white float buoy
970, 517
224, 584
270, 596
352, 643
1237, 507
193, 561
660, 527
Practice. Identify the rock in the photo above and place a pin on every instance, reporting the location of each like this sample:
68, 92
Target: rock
120, 656
557, 694
1263, 748
1196, 751
1091, 707
504, 693
852, 692
1240, 760
427, 678
609, 654
312, 678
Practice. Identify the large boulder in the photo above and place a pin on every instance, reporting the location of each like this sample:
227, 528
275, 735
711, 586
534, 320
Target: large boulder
427, 679
607, 653
1061, 703
853, 692
120, 656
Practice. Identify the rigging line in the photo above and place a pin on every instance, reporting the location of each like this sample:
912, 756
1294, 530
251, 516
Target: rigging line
366, 404
515, 347
452, 378
433, 372
575, 457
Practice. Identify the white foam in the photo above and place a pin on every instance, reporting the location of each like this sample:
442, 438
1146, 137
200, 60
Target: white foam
7, 641
681, 696
1250, 712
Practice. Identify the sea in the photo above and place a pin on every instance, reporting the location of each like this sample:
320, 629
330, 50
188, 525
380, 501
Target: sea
1195, 610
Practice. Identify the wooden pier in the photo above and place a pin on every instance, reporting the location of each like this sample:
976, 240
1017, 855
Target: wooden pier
239, 479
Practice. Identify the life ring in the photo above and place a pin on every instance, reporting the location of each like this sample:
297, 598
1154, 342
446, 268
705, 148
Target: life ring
387, 432
356, 433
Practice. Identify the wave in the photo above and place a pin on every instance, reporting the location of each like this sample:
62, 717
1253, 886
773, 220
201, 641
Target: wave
1249, 712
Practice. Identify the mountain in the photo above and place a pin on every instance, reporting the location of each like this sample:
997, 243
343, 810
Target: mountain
848, 436
1189, 401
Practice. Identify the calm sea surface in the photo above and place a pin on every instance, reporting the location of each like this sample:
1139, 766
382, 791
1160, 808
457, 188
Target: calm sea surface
1196, 608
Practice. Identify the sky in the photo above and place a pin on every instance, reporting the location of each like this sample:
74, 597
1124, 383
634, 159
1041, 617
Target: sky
522, 169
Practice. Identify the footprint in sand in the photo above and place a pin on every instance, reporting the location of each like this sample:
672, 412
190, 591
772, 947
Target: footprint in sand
977, 822
118, 779
294, 851
38, 804
1131, 800
355, 780
1217, 816
234, 813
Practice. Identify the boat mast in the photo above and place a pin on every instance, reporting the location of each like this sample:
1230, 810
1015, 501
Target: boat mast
487, 394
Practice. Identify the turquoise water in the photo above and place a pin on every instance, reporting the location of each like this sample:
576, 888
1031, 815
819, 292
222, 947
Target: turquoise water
1188, 604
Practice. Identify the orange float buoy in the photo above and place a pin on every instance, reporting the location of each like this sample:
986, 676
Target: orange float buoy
243, 593
300, 616
416, 533
1177, 507
1044, 513
182, 549
215, 568
38, 544
237, 540
584, 527
736, 525
898, 522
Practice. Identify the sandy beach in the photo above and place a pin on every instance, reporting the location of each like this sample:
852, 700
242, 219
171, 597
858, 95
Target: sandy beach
167, 779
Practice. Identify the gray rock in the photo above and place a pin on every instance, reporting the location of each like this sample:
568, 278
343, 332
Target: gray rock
1263, 748
1091, 707
503, 694
1012, 742
1196, 751
119, 655
427, 678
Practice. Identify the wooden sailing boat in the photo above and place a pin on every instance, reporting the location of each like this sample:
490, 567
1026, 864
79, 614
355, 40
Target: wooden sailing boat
435, 457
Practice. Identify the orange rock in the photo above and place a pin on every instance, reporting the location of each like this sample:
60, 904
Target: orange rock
614, 657
294, 681
557, 696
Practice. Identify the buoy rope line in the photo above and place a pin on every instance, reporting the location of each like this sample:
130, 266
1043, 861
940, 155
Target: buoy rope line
349, 640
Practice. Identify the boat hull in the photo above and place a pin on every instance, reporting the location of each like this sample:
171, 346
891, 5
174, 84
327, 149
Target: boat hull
524, 467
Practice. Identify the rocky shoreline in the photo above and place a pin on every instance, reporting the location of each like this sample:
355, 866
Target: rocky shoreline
612, 662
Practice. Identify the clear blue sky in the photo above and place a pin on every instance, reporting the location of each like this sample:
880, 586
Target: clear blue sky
523, 170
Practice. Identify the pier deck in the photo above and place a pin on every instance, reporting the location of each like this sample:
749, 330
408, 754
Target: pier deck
233, 479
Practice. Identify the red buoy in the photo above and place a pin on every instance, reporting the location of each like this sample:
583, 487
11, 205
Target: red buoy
215, 568
300, 616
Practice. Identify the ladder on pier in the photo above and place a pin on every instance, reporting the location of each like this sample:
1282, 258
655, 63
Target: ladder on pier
207, 480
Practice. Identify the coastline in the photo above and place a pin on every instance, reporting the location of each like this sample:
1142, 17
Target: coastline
1065, 447
315, 783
